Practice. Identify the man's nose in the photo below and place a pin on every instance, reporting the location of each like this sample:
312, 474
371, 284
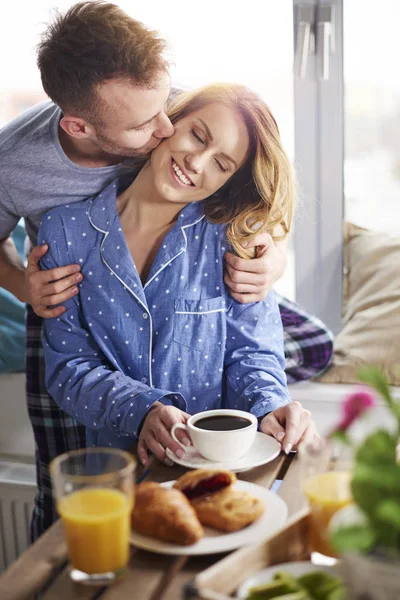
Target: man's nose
164, 127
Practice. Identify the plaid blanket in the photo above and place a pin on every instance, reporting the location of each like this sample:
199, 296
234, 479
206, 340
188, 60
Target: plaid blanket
308, 350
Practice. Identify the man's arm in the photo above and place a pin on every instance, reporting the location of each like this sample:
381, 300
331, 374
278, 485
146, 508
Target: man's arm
11, 266
40, 289
12, 269
250, 280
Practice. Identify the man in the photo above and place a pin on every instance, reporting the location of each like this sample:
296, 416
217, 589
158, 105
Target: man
108, 81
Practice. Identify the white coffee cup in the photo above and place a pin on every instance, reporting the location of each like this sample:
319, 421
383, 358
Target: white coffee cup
219, 445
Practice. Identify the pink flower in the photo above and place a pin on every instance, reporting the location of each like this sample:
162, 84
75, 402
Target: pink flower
355, 405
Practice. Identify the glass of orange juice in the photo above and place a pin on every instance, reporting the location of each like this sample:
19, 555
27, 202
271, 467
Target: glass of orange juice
94, 490
326, 493
326, 479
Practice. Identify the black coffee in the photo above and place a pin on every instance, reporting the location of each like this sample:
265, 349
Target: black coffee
222, 423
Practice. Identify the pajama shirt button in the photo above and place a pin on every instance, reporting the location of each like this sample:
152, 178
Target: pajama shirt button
145, 315
144, 379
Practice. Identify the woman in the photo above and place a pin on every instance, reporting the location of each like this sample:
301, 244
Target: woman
153, 334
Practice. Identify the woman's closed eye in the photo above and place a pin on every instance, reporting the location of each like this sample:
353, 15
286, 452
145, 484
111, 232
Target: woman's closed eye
199, 139
220, 167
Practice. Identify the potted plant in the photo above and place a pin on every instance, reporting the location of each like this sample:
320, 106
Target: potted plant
370, 545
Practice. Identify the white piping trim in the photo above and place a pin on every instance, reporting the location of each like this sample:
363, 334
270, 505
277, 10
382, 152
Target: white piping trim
91, 222
176, 255
206, 312
133, 294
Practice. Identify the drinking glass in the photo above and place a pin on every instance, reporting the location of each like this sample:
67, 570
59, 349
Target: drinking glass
326, 479
94, 491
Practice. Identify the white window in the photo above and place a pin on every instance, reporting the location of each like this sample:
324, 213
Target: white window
372, 114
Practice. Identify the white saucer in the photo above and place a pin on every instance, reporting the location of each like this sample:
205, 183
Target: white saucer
264, 449
214, 542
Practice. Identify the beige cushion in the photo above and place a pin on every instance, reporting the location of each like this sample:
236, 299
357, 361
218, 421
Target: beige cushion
371, 331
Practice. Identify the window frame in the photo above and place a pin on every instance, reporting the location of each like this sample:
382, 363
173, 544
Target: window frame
319, 161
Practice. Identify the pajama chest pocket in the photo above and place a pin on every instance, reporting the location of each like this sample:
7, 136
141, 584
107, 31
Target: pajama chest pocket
201, 324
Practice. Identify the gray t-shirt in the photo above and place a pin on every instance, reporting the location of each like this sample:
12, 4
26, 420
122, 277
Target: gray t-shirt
36, 174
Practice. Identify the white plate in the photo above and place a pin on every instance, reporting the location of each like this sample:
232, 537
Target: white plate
294, 568
264, 449
214, 541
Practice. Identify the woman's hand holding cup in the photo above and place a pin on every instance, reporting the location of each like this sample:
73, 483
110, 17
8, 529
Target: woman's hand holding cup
155, 435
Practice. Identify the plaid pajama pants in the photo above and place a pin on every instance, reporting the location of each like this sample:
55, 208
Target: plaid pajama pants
308, 350
54, 431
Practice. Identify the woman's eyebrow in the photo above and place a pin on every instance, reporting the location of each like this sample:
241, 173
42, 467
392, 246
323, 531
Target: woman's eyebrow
211, 139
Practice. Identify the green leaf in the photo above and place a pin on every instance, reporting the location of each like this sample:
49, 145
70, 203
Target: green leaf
375, 377
389, 512
377, 448
359, 538
376, 478
372, 485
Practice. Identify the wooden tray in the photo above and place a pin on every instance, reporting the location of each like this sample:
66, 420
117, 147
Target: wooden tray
221, 580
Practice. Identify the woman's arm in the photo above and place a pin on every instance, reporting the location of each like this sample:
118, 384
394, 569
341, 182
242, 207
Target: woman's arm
255, 377
87, 386
254, 361
80, 378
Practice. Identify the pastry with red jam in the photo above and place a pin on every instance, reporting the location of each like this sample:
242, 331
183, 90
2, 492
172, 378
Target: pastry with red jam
203, 482
216, 502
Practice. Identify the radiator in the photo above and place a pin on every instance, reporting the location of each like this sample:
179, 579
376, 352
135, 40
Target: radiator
17, 493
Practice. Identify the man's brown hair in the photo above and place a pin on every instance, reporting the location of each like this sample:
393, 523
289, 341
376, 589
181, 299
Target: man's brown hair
92, 43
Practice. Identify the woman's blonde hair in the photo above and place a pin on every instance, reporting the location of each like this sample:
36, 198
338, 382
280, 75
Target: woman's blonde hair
259, 197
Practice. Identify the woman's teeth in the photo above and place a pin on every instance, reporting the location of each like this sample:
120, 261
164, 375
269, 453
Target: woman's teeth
180, 175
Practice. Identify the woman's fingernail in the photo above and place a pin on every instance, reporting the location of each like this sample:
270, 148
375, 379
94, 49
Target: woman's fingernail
180, 453
288, 448
280, 436
169, 462
186, 442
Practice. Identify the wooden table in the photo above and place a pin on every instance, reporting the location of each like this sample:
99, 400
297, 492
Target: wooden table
150, 576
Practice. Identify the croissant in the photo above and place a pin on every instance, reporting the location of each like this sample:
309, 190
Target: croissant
165, 514
228, 510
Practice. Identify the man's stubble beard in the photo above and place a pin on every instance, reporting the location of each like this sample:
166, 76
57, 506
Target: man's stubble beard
110, 149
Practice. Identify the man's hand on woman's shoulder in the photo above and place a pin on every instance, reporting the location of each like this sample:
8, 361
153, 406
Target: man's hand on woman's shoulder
49, 288
250, 280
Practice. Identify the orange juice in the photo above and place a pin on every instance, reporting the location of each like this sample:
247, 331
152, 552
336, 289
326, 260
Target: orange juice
326, 493
97, 527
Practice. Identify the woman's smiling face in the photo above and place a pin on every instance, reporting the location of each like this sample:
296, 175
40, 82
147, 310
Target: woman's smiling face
207, 148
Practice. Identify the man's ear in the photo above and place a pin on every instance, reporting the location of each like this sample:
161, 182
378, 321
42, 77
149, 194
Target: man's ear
76, 127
